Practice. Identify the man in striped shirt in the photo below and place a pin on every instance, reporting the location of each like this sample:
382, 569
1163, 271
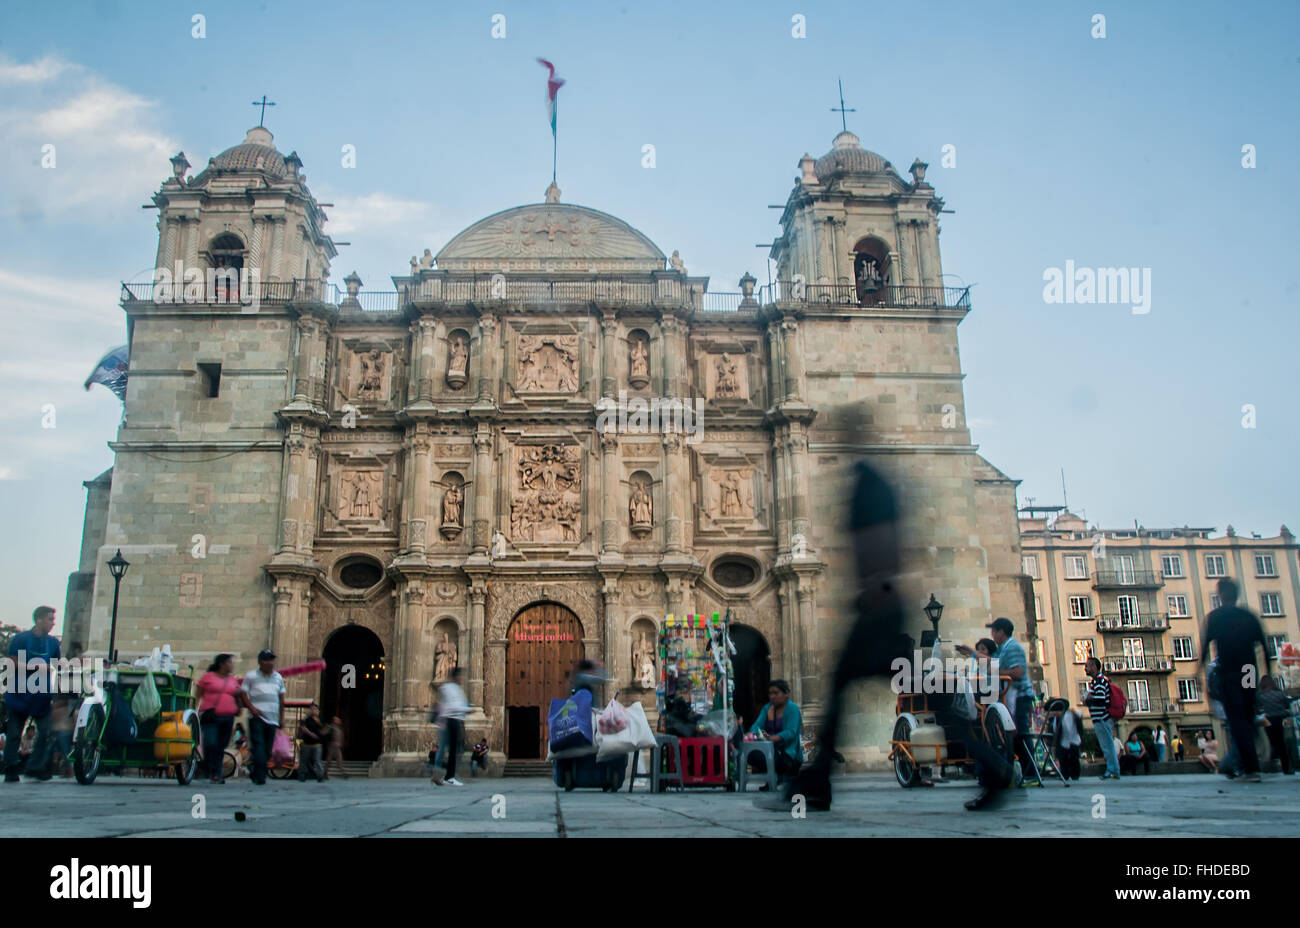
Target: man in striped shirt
1098, 703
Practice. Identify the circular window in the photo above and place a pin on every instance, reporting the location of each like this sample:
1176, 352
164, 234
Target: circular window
361, 575
735, 572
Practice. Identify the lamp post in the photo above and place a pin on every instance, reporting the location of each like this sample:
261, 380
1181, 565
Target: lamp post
117, 566
933, 611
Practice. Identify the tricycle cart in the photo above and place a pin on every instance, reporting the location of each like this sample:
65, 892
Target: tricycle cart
920, 742
171, 739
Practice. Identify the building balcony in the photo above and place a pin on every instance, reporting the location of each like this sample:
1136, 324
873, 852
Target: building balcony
1154, 622
885, 296
1147, 663
220, 291
1155, 705
1127, 579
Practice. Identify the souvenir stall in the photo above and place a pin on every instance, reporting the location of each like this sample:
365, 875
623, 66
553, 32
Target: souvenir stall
695, 692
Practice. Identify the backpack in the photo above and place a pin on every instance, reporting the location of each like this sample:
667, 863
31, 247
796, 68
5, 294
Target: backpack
1117, 704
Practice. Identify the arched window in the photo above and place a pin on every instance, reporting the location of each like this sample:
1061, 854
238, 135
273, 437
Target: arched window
871, 271
227, 255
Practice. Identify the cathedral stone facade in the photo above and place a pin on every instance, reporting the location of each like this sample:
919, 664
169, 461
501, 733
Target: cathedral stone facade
548, 436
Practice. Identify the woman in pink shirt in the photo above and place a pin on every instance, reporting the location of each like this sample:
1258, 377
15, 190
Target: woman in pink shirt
218, 695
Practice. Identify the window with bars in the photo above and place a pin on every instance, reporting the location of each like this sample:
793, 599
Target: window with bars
1171, 565
1183, 650
1214, 566
1080, 607
1270, 603
1177, 605
1139, 696
1264, 566
1189, 690
1128, 611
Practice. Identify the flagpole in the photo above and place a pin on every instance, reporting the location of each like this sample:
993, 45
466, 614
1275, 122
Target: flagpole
555, 137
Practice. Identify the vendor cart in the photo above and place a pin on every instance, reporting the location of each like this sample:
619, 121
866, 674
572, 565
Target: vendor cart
170, 739
694, 697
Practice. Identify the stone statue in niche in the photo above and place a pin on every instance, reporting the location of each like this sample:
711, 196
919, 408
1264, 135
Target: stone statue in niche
371, 365
453, 510
734, 499
638, 357
457, 362
728, 383
359, 496
643, 661
498, 545
444, 658
640, 508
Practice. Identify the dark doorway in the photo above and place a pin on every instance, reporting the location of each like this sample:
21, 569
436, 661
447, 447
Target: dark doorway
542, 646
752, 665
360, 705
524, 725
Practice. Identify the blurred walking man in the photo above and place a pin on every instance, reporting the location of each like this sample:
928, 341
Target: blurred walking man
1235, 632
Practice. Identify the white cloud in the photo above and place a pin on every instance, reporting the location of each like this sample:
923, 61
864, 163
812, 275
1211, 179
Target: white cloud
372, 213
109, 149
37, 72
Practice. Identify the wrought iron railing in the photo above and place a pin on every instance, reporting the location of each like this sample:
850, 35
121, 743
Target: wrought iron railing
1113, 622
889, 296
1128, 578
1147, 663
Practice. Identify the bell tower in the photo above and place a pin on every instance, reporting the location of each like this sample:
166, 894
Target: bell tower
853, 227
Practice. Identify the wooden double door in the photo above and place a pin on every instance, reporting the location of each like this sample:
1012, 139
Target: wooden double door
542, 646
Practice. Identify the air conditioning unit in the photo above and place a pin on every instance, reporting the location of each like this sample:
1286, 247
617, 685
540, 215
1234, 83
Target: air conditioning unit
1112, 666
1164, 665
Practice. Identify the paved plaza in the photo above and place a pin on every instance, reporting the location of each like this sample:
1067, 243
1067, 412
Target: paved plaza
866, 805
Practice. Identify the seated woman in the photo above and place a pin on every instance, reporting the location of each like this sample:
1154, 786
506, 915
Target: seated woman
1209, 749
1134, 752
780, 722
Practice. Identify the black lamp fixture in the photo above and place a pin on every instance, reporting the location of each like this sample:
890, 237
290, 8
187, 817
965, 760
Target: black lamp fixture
117, 566
933, 611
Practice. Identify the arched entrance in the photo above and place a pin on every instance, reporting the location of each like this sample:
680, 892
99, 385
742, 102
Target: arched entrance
752, 665
542, 645
361, 705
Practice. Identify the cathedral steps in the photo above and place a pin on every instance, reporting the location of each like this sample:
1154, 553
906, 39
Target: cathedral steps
527, 768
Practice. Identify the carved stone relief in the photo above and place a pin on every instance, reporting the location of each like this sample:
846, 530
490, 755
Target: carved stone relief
547, 364
726, 376
731, 493
640, 506
546, 499
457, 361
638, 359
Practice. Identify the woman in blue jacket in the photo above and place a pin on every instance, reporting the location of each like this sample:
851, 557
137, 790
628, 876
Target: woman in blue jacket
780, 722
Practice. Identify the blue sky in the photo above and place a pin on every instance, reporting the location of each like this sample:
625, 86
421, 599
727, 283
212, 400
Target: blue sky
1122, 151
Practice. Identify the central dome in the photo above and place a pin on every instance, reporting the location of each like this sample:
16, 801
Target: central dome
559, 237
847, 156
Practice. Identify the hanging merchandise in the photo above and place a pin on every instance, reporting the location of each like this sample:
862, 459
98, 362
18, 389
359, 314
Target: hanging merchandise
696, 677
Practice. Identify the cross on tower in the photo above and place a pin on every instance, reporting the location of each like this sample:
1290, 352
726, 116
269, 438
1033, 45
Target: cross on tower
841, 110
263, 103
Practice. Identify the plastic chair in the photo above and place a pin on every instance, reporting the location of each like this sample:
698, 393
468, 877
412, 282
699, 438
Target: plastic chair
765, 748
656, 774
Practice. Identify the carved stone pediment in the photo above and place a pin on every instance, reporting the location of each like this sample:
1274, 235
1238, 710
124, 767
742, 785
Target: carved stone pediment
547, 364
546, 494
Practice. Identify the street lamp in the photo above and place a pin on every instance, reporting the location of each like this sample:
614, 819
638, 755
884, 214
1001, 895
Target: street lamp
117, 566
933, 611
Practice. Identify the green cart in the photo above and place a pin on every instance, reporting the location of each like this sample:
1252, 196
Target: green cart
160, 741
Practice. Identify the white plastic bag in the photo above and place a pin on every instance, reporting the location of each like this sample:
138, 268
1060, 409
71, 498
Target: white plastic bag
639, 727
146, 703
613, 719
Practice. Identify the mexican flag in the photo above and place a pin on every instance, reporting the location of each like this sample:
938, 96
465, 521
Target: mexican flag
553, 85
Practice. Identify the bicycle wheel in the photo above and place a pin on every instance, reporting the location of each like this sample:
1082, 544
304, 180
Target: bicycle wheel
184, 771
229, 764
87, 751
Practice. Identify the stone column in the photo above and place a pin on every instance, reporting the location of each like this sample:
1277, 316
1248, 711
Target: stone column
797, 449
793, 358
676, 496
609, 352
489, 372
423, 519
776, 372
781, 486
289, 638
426, 344
477, 631
617, 662
799, 667
611, 498
302, 369
482, 488
302, 448
277, 246
415, 666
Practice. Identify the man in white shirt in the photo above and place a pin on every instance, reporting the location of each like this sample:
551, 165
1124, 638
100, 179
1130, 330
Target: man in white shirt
1162, 745
452, 708
262, 694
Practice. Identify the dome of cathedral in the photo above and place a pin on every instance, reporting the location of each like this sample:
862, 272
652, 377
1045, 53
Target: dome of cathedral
255, 154
847, 156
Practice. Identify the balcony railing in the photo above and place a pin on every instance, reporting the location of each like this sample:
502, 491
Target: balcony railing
1151, 622
850, 295
544, 289
1127, 578
1147, 663
1155, 705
